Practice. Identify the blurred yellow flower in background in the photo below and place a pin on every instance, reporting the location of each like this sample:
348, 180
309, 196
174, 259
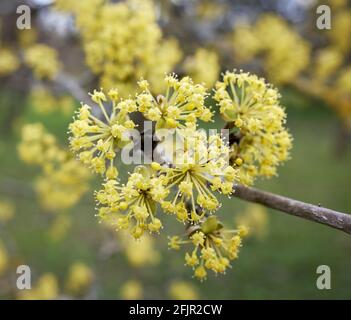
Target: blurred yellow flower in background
341, 27
46, 288
7, 210
131, 290
60, 226
44, 102
272, 38
326, 62
255, 218
63, 180
123, 42
37, 146
183, 290
80, 278
62, 185
140, 253
203, 67
4, 259
9, 62
43, 60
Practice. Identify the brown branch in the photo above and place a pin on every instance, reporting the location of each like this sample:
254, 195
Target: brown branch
331, 218
69, 84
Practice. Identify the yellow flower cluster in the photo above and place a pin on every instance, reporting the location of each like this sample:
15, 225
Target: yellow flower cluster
245, 42
203, 67
63, 181
259, 140
9, 62
341, 25
43, 60
46, 288
37, 146
79, 279
272, 38
44, 102
180, 107
123, 42
133, 204
62, 184
214, 246
197, 172
330, 76
188, 174
95, 140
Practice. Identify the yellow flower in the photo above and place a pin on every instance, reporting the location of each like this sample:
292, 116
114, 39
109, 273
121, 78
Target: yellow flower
96, 141
253, 112
272, 38
180, 107
174, 242
200, 273
199, 170
134, 204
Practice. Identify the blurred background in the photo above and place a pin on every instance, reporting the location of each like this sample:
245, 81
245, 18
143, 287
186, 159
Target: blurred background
47, 210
